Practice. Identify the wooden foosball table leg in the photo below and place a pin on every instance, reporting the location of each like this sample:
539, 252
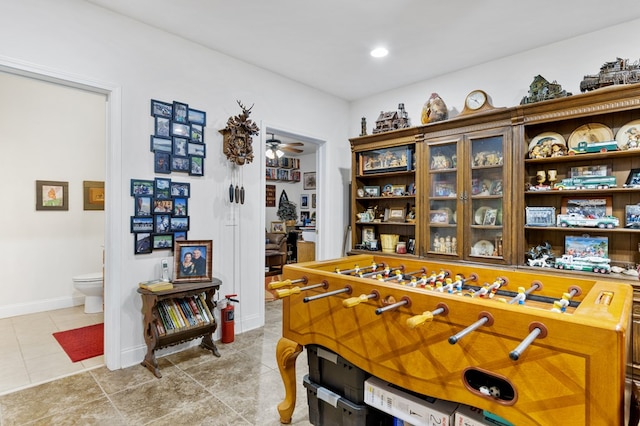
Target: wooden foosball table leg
286, 353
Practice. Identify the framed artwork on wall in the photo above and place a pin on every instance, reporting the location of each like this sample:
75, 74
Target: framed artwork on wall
93, 194
309, 180
192, 261
52, 195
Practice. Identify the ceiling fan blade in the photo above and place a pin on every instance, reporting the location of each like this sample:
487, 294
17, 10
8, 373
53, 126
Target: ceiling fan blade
293, 144
289, 149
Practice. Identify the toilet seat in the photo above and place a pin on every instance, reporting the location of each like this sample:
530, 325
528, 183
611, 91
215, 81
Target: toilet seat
93, 276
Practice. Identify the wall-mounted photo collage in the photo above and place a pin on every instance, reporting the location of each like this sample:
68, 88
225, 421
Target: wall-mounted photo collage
161, 214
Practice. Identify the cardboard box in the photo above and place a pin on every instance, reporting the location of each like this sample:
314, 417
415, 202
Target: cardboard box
417, 410
471, 416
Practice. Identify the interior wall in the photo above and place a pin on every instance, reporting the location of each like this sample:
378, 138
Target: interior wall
507, 80
144, 63
53, 133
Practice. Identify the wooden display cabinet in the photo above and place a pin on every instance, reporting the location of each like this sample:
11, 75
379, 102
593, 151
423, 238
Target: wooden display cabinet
468, 187
151, 318
385, 176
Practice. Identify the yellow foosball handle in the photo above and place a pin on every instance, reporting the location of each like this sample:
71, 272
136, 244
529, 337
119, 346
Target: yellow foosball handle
354, 301
418, 320
286, 292
279, 284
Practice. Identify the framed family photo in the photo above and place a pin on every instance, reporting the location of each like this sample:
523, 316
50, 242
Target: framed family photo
192, 261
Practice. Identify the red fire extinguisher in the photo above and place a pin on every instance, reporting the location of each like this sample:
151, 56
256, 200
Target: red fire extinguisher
227, 319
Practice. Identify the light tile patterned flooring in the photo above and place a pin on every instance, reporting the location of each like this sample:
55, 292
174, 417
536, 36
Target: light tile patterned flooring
242, 387
29, 354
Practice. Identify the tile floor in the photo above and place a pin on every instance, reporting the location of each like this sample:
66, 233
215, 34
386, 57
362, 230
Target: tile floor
243, 387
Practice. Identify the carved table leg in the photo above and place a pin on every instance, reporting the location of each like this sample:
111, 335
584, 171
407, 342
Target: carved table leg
207, 343
286, 353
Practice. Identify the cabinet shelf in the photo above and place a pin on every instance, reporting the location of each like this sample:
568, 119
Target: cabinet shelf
387, 174
582, 229
392, 197
574, 192
387, 223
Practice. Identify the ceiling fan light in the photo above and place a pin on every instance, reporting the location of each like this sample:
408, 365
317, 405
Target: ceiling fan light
279, 153
270, 154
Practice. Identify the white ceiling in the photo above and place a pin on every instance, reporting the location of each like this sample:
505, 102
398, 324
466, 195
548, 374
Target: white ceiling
325, 44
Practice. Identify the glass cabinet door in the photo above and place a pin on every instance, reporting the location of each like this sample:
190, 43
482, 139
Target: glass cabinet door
485, 193
444, 206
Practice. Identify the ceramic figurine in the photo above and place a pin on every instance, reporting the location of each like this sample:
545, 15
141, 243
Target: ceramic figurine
434, 110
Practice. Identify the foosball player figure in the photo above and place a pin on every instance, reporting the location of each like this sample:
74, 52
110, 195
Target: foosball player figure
441, 275
483, 292
521, 296
398, 276
413, 282
557, 307
457, 284
448, 285
432, 278
564, 302
439, 286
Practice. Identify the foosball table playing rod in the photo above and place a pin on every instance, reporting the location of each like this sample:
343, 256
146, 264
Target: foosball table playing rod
347, 290
278, 284
427, 316
485, 319
537, 330
402, 276
285, 292
385, 270
404, 301
357, 269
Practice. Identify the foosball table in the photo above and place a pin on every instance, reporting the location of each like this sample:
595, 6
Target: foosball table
533, 348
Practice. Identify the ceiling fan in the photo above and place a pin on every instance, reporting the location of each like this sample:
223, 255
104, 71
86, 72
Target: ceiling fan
276, 148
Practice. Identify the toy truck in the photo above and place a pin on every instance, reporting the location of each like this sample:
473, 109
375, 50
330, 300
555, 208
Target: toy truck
576, 219
590, 148
587, 182
588, 264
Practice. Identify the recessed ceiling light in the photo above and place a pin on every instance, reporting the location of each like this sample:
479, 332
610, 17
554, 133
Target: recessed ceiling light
379, 52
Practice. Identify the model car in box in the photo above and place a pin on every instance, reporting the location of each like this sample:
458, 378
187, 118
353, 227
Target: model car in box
577, 219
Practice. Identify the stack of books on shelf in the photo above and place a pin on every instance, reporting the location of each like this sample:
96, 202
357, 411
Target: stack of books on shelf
156, 285
179, 314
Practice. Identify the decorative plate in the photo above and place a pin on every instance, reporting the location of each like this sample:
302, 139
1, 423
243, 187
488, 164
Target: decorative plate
628, 137
590, 133
544, 143
482, 248
478, 216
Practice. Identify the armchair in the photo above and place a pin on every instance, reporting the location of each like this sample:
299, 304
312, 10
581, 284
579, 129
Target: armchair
275, 253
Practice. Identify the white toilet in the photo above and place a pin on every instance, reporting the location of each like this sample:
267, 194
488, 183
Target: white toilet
91, 286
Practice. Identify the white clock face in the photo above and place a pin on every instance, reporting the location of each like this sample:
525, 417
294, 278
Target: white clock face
475, 100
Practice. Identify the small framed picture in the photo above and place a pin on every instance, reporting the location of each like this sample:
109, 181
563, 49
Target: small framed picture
160, 144
411, 246
586, 246
368, 234
161, 242
180, 112
180, 164
633, 180
141, 224
595, 207
179, 224
93, 192
371, 191
490, 217
439, 216
313, 201
143, 205
180, 207
162, 162
396, 214
196, 149
192, 261
277, 227
161, 109
180, 147
540, 216
197, 133
309, 180
305, 217
163, 206
162, 188
304, 201
162, 223
142, 243
398, 190
180, 189
180, 236
142, 187
197, 166
197, 117
52, 195
179, 129
496, 187
162, 127
632, 216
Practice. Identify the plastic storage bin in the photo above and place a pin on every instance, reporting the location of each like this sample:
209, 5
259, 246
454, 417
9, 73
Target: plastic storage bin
327, 408
330, 370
